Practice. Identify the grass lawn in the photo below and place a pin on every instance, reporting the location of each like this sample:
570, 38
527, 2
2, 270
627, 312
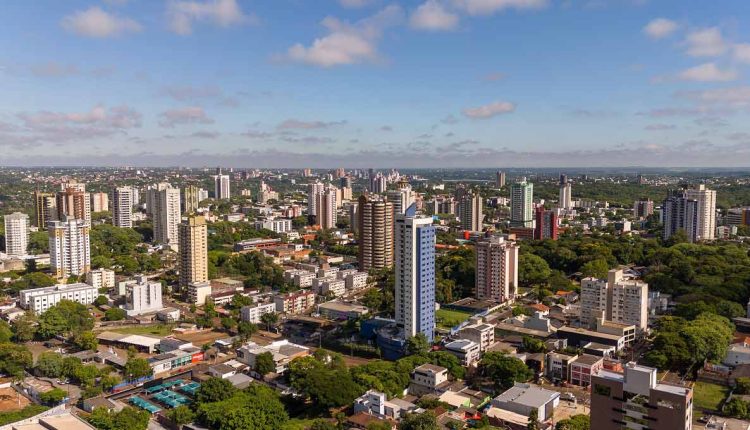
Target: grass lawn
709, 396
154, 330
448, 318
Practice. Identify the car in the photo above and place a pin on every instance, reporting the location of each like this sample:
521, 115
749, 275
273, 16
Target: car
568, 396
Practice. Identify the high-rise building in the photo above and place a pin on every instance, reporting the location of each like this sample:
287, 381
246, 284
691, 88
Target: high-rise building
191, 199
325, 207
345, 182
500, 179
470, 211
69, 247
16, 233
706, 207
122, 207
635, 399
415, 274
566, 199
99, 202
378, 184
375, 227
75, 203
76, 186
401, 199
166, 215
643, 208
313, 189
680, 213
546, 224
45, 209
142, 296
521, 200
193, 250
497, 270
221, 187
616, 299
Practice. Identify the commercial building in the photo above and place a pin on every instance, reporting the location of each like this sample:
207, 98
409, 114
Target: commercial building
16, 234
253, 313
546, 224
470, 211
497, 269
100, 202
74, 202
254, 244
635, 400
41, 299
583, 368
523, 399
193, 250
580, 337
282, 351
643, 208
122, 207
521, 200
375, 232
69, 247
45, 209
293, 303
101, 278
565, 200
335, 310
142, 296
221, 187
166, 214
617, 299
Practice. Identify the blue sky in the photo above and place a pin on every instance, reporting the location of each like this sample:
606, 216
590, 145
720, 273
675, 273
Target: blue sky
444, 83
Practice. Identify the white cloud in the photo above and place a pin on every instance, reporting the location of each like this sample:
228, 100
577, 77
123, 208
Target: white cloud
741, 52
708, 72
488, 7
116, 117
431, 15
490, 110
94, 22
707, 42
732, 96
186, 115
182, 14
660, 27
292, 124
355, 3
347, 43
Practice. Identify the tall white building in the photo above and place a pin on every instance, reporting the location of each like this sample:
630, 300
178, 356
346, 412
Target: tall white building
706, 211
221, 187
313, 190
325, 207
401, 198
616, 299
142, 296
497, 270
471, 211
99, 202
41, 299
521, 204
565, 200
16, 234
415, 274
69, 247
122, 207
166, 215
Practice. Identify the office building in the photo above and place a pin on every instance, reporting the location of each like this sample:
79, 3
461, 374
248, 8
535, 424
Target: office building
546, 224
73, 202
142, 296
325, 208
415, 274
45, 209
497, 270
221, 187
521, 200
122, 207
16, 234
643, 208
375, 229
166, 214
193, 250
99, 202
191, 199
470, 211
69, 247
616, 299
101, 278
500, 179
706, 211
41, 299
565, 200
635, 399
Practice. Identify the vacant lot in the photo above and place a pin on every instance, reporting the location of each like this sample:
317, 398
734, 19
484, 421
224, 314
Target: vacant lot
202, 337
448, 318
708, 396
10, 400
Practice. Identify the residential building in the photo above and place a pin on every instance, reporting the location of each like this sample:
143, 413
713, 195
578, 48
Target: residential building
356, 281
41, 299
314, 189
193, 250
74, 202
680, 213
99, 202
101, 278
69, 247
643, 208
375, 232
253, 313
497, 269
470, 211
16, 234
482, 334
706, 210
277, 225
197, 292
378, 184
122, 207
427, 379
376, 404
500, 179
283, 353
583, 368
521, 200
635, 400
330, 287
401, 198
191, 199
565, 200
166, 215
523, 399
295, 302
618, 299
45, 209
221, 187
628, 331
142, 296
325, 208
546, 224
415, 274
558, 365
465, 350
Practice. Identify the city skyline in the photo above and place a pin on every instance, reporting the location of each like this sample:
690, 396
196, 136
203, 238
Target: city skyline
449, 83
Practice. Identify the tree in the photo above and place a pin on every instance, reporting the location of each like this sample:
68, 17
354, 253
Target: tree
736, 408
257, 407
596, 268
137, 368
14, 359
533, 270
65, 318
264, 363
533, 345
181, 415
576, 422
742, 385
269, 319
228, 323
504, 370
115, 314
323, 424
246, 329
6, 333
25, 326
53, 397
86, 340
50, 364
215, 390
417, 345
100, 300
533, 420
423, 421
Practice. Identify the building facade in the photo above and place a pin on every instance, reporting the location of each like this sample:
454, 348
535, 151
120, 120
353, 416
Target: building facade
521, 201
565, 199
122, 207
45, 209
143, 296
16, 234
193, 250
497, 270
41, 299
166, 215
546, 224
73, 202
69, 247
221, 187
375, 229
615, 299
470, 211
99, 202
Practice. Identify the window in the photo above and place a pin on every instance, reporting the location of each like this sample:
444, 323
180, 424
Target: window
602, 390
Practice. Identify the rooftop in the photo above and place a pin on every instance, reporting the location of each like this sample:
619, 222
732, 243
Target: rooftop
527, 395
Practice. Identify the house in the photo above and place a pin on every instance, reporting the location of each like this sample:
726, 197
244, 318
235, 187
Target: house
583, 367
738, 353
375, 403
223, 371
364, 421
524, 398
427, 379
97, 402
466, 351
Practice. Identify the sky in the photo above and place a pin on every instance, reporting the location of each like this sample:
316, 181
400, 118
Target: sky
375, 83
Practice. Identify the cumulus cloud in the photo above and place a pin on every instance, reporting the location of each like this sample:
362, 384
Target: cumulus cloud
292, 124
488, 7
432, 16
707, 42
708, 72
116, 117
490, 110
183, 14
347, 43
741, 52
185, 115
95, 22
660, 28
